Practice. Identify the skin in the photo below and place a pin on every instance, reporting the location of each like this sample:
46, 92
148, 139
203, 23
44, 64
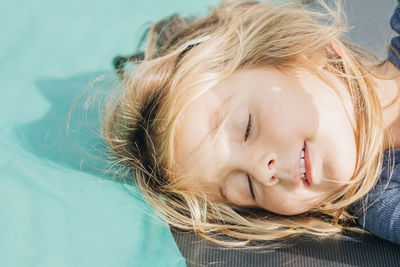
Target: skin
287, 111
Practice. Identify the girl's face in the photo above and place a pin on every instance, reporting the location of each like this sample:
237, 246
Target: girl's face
246, 135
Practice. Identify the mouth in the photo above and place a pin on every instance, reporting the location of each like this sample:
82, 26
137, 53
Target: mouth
304, 174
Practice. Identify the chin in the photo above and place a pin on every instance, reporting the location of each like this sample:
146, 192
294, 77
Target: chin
292, 211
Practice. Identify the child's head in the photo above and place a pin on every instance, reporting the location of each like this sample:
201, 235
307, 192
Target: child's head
249, 133
214, 128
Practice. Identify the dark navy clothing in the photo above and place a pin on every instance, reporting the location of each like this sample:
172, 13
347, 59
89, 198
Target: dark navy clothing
379, 212
394, 51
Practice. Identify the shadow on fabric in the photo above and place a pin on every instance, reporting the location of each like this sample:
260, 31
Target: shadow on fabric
81, 146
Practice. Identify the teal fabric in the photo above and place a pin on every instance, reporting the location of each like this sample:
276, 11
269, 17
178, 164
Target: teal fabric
58, 207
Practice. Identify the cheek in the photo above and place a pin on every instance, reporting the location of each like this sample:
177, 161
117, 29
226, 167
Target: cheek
338, 140
290, 115
342, 162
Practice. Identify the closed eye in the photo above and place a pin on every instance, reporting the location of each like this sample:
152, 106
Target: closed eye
251, 187
248, 128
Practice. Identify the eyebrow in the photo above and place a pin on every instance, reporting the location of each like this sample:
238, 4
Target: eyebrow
217, 122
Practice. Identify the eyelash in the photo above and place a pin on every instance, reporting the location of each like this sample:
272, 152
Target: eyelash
248, 128
251, 187
246, 136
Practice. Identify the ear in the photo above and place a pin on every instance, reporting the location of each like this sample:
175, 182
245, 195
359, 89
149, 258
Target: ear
322, 58
336, 48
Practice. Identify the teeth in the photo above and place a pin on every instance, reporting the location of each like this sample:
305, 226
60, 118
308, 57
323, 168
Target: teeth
302, 167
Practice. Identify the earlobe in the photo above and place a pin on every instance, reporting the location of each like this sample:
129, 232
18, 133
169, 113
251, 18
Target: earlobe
321, 59
336, 48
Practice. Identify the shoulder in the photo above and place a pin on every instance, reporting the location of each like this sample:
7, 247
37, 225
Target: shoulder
387, 184
394, 50
395, 19
391, 166
379, 211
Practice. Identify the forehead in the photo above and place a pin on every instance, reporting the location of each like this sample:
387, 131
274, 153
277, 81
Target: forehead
196, 150
199, 120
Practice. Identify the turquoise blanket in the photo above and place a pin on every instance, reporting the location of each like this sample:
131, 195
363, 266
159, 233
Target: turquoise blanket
58, 207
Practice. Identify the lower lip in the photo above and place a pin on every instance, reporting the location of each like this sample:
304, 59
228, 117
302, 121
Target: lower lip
307, 162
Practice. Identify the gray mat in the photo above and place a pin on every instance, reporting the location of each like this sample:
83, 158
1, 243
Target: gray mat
355, 250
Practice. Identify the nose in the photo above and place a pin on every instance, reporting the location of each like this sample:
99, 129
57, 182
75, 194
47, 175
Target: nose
263, 169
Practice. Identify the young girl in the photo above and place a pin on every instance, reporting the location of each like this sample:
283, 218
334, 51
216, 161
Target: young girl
259, 122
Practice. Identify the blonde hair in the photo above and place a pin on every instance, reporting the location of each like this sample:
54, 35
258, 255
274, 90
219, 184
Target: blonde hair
142, 114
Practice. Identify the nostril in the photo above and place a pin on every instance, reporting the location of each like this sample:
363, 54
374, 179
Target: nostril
272, 181
271, 162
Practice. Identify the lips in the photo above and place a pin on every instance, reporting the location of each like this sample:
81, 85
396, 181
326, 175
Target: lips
297, 177
307, 162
